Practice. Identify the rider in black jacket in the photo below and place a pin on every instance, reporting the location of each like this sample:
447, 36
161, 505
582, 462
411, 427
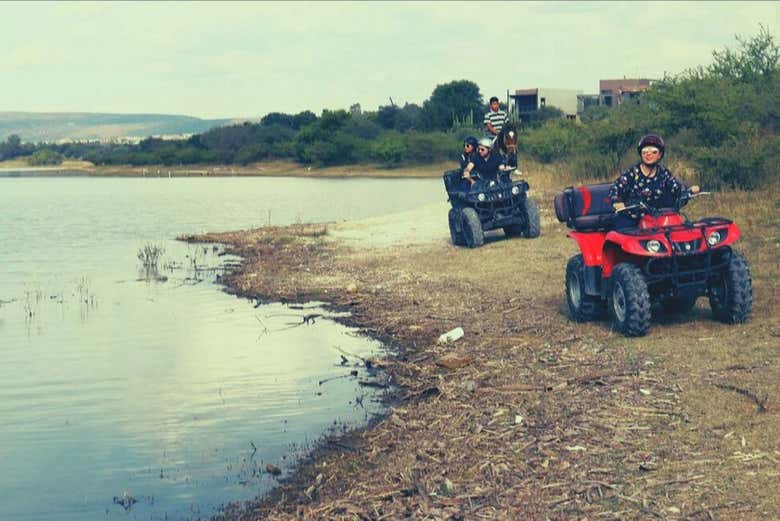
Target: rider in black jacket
648, 181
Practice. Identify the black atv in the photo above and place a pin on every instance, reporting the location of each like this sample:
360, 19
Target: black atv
487, 206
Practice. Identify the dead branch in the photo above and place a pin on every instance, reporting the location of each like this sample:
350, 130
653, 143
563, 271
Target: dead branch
761, 402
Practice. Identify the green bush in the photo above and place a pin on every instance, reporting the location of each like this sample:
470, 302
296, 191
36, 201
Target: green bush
748, 162
251, 153
362, 127
338, 148
539, 117
590, 166
431, 146
552, 141
45, 156
390, 150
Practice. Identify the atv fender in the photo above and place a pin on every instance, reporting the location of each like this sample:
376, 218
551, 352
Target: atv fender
591, 245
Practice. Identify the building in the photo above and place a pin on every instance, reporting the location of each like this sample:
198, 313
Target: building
586, 100
525, 101
614, 92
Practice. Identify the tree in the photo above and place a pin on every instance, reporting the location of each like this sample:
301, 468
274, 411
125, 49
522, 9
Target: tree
11, 148
295, 122
456, 100
387, 115
755, 61
45, 156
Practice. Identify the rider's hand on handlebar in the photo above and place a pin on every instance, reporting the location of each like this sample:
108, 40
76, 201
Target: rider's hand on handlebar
619, 206
695, 189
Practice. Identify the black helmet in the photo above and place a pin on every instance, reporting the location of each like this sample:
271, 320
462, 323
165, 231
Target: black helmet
651, 140
470, 140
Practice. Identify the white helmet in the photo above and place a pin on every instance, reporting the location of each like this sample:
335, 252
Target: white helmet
486, 142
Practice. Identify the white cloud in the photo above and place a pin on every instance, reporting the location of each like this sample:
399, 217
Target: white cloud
246, 59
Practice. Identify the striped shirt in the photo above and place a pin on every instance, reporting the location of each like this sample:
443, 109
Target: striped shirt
497, 119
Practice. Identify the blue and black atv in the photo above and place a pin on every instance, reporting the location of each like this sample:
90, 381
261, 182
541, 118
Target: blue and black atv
487, 206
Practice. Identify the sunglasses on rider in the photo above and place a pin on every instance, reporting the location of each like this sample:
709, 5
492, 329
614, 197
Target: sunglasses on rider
650, 150
482, 149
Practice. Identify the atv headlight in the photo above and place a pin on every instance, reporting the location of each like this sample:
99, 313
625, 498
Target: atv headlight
654, 246
480, 197
714, 238
515, 190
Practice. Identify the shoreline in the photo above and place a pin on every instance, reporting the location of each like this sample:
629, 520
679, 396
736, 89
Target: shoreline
529, 416
264, 169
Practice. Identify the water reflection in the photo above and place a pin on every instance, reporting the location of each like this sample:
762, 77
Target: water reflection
125, 382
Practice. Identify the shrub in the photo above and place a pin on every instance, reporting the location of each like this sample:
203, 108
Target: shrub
590, 166
551, 142
431, 146
539, 117
390, 150
746, 163
251, 153
362, 127
44, 156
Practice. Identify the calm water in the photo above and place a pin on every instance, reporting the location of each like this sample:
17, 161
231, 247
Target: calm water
115, 381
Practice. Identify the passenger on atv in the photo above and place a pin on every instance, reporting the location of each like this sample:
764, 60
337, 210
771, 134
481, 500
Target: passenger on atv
469, 150
486, 166
648, 182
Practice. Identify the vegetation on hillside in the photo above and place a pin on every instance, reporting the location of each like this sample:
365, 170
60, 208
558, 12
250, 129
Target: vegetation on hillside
722, 118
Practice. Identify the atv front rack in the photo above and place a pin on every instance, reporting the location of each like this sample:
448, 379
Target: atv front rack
687, 270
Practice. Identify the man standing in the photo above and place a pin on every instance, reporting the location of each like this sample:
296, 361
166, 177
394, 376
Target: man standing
495, 119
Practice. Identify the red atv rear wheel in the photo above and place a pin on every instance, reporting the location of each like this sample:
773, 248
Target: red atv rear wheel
582, 307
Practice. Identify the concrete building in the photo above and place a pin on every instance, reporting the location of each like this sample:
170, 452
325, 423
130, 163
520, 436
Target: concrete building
614, 92
586, 100
525, 101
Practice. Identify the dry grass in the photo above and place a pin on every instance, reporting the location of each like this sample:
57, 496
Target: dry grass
68, 164
531, 416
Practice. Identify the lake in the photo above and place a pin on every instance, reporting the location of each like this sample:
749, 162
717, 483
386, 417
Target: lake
119, 382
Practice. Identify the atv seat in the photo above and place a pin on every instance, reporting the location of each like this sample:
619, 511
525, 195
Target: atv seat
585, 208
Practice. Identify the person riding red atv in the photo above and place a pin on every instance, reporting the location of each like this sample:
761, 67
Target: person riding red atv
666, 262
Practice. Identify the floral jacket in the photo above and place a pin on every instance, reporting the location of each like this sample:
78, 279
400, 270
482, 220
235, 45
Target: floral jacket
660, 191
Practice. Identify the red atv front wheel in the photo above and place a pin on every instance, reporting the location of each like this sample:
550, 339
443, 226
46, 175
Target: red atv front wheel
629, 300
731, 293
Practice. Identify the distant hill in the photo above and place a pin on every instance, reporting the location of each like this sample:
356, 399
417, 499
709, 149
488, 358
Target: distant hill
55, 126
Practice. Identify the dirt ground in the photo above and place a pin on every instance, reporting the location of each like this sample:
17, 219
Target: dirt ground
529, 415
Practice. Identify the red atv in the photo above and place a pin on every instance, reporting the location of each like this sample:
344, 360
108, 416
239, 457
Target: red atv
666, 263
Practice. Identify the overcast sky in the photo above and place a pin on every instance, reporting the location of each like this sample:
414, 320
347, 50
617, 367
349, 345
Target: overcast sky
244, 59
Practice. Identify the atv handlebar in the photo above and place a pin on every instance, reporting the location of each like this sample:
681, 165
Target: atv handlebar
687, 195
641, 205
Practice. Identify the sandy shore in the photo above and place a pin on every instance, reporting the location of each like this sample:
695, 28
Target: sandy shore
529, 415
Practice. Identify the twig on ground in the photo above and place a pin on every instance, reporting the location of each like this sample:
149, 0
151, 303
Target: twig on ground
761, 402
